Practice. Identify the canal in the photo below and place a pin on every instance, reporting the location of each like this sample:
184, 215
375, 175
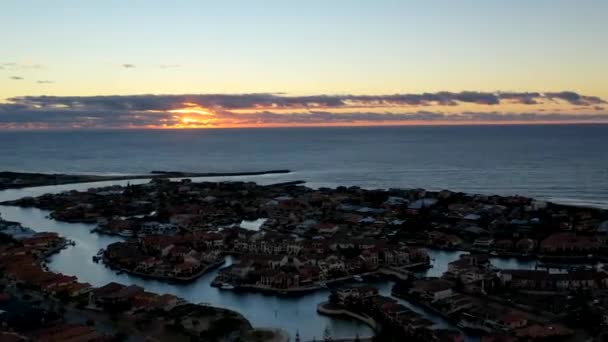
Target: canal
291, 314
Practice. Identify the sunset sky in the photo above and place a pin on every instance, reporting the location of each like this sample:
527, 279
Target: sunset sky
189, 64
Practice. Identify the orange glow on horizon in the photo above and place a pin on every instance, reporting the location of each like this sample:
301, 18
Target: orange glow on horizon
200, 125
192, 108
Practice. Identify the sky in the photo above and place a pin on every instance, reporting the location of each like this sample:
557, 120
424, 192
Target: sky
197, 63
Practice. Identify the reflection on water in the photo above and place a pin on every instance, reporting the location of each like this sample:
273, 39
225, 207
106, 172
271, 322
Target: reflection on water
289, 313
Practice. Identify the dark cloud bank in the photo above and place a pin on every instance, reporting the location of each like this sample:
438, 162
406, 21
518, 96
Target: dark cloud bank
152, 110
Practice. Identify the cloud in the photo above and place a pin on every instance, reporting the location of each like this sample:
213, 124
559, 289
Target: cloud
16, 78
522, 98
273, 101
45, 82
575, 98
168, 66
277, 109
21, 66
128, 66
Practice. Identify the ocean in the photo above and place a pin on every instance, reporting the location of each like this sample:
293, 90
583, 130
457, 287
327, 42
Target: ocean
562, 163
567, 164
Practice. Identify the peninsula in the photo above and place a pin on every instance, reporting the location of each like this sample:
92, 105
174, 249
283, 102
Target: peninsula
17, 180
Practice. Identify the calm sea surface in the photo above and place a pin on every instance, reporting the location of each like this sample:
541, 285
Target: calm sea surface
563, 163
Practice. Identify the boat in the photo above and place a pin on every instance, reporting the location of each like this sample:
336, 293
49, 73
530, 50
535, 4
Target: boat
125, 233
358, 278
226, 287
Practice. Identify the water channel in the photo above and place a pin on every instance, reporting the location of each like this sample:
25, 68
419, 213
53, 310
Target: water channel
288, 313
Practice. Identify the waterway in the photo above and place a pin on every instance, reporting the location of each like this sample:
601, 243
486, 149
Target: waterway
292, 314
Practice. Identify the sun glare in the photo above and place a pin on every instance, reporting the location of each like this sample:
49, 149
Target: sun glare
192, 108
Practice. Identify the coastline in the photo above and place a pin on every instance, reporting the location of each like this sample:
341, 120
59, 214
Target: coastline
545, 258
166, 278
381, 272
323, 308
297, 290
19, 180
205, 312
306, 289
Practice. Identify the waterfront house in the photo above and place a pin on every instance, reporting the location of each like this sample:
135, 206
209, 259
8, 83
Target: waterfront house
371, 258
345, 294
513, 320
481, 262
483, 242
543, 332
567, 242
534, 279
279, 280
432, 289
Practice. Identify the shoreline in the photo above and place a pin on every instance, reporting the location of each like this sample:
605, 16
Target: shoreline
183, 280
42, 262
424, 305
19, 180
297, 290
322, 309
540, 258
383, 272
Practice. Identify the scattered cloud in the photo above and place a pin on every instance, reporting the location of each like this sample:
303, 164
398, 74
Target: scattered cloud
20, 66
45, 82
127, 65
279, 101
210, 110
168, 66
16, 78
575, 99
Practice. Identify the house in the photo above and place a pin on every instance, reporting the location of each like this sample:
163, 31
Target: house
159, 228
355, 293
467, 261
443, 335
472, 217
114, 293
575, 280
432, 289
543, 332
483, 242
370, 257
567, 242
68, 333
470, 268
513, 320
279, 280
328, 229
440, 239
